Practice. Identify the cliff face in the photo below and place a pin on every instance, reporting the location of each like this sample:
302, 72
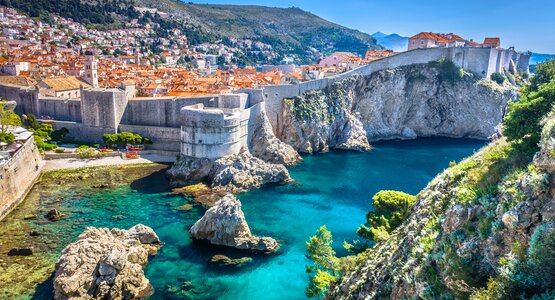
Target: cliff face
406, 102
460, 233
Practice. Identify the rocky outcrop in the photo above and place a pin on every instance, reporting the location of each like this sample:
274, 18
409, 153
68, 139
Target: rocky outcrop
243, 172
404, 102
106, 264
455, 239
265, 145
187, 170
233, 173
224, 224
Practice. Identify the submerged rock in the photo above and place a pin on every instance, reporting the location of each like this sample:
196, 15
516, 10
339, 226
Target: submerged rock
26, 251
224, 224
54, 215
30, 217
106, 264
223, 260
201, 193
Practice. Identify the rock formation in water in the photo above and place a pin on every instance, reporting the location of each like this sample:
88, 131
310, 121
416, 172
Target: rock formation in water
471, 223
224, 224
233, 173
404, 102
106, 264
243, 172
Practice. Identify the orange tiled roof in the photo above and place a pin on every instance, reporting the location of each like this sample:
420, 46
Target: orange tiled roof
492, 41
439, 37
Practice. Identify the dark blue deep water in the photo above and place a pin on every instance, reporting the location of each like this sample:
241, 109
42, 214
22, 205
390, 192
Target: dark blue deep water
334, 189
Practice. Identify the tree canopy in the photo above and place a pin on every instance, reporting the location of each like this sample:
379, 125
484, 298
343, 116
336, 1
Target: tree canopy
8, 117
391, 208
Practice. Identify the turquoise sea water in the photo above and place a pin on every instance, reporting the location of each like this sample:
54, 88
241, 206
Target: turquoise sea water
334, 189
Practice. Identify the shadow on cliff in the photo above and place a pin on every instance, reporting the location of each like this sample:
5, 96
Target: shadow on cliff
45, 290
154, 183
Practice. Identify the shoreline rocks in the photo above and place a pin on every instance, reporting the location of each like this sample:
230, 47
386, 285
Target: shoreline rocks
224, 224
233, 173
106, 264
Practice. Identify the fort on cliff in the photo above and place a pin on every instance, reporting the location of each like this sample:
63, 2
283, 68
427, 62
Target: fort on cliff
218, 125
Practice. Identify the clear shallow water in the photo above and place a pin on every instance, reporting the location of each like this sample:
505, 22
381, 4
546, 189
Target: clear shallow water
334, 189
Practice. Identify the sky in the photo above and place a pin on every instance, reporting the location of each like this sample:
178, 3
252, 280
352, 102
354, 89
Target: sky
525, 24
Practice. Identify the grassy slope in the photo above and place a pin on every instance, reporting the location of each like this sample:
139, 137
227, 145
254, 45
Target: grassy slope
291, 25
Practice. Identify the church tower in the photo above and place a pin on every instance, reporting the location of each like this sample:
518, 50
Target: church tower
91, 70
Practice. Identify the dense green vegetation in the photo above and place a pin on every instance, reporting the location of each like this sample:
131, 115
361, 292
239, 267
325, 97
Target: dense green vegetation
81, 11
522, 123
8, 117
448, 70
124, 138
498, 77
325, 264
391, 208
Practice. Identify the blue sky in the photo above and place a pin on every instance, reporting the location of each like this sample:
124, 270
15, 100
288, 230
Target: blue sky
525, 24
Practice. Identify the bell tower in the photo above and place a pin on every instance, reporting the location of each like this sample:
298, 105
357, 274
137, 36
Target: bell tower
91, 70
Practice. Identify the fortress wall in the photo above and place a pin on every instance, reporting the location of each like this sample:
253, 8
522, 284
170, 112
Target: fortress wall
163, 112
163, 138
26, 98
81, 132
98, 108
274, 95
61, 109
477, 60
254, 96
18, 175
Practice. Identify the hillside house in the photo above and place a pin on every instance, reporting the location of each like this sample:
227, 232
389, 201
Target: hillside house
492, 42
339, 59
435, 40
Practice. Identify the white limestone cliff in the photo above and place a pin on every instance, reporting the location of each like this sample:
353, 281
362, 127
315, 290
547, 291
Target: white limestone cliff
405, 102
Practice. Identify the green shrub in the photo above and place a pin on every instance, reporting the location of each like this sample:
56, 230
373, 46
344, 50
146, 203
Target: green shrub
31, 122
522, 123
7, 137
124, 138
498, 77
60, 134
449, 71
60, 150
391, 208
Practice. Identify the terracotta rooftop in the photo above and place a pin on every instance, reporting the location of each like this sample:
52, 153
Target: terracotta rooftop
64, 83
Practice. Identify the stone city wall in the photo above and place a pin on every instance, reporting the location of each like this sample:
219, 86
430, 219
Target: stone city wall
163, 138
18, 175
60, 109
